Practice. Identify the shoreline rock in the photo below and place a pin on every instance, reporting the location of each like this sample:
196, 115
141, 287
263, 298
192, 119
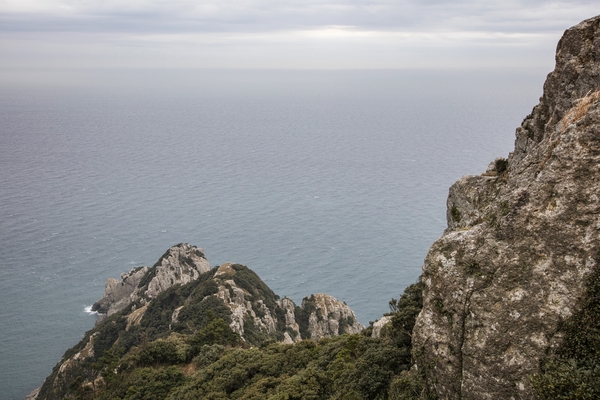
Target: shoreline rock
181, 264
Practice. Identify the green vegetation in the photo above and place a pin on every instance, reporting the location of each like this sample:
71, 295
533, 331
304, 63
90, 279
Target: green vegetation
504, 208
303, 313
201, 357
501, 165
404, 313
246, 279
573, 370
471, 268
455, 214
216, 332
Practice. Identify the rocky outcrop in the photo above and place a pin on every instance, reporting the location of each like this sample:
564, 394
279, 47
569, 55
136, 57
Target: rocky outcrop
379, 324
292, 329
118, 294
181, 264
242, 308
329, 317
521, 240
184, 263
325, 315
177, 300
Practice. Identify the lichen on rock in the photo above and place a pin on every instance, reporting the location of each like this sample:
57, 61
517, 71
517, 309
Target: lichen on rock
521, 241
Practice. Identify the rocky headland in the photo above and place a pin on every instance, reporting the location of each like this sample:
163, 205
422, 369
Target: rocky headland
507, 306
181, 294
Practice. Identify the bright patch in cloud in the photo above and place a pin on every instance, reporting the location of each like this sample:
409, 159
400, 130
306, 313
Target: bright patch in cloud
287, 34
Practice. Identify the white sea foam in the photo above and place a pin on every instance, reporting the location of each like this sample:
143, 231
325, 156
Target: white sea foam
88, 310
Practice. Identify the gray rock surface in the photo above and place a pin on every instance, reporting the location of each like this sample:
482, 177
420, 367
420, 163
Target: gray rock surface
238, 301
184, 263
117, 294
379, 324
521, 239
181, 264
290, 321
330, 317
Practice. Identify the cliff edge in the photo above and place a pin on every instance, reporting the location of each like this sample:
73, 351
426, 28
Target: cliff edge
522, 242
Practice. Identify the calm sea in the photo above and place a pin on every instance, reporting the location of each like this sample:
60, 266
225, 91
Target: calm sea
320, 181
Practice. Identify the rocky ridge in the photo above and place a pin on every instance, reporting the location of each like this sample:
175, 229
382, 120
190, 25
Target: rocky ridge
522, 240
181, 264
181, 294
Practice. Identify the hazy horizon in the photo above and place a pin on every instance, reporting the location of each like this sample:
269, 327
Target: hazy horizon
321, 34
310, 138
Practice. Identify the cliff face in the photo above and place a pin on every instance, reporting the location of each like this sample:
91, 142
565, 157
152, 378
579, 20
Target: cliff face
522, 239
328, 317
181, 264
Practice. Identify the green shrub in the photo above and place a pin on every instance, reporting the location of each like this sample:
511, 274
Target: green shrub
107, 333
455, 214
208, 354
145, 384
160, 352
564, 379
405, 386
196, 315
215, 332
247, 279
573, 370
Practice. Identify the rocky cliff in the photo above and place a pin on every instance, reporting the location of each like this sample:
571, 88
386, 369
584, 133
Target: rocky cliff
522, 242
509, 292
181, 264
182, 300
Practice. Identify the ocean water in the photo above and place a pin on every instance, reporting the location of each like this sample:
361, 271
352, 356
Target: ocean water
320, 181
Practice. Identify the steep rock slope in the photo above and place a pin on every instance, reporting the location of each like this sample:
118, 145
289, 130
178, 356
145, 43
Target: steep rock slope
181, 301
181, 264
522, 240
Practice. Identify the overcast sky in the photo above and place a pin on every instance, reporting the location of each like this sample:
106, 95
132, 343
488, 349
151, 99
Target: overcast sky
285, 34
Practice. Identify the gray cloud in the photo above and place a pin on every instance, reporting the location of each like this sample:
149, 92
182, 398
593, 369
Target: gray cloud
287, 34
263, 15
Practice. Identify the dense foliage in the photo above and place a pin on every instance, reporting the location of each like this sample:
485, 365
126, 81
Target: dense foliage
202, 358
345, 367
573, 371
